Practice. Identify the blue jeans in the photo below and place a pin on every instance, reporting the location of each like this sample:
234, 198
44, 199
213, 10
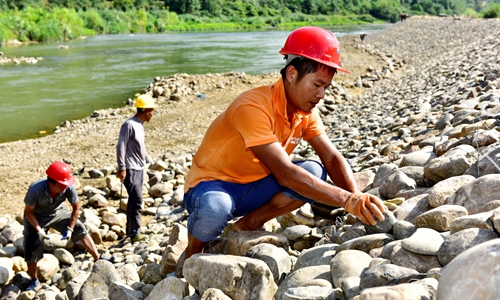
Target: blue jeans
212, 204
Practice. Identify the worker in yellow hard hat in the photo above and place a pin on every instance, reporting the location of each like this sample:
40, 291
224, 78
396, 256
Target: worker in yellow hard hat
144, 102
131, 159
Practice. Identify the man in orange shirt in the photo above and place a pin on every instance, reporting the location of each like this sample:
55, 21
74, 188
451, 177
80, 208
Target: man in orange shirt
243, 168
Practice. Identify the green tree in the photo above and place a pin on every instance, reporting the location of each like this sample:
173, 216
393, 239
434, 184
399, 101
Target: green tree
294, 5
272, 4
492, 10
386, 10
310, 7
116, 21
94, 21
70, 22
212, 7
184, 6
22, 4
138, 21
193, 6
417, 8
250, 10
428, 6
234, 9
123, 5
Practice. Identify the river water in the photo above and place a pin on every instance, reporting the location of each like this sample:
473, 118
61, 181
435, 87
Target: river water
104, 71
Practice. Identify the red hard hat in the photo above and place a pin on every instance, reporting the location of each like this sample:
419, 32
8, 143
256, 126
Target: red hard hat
314, 43
60, 172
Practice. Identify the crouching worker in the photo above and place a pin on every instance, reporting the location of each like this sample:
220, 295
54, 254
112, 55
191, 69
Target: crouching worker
45, 209
243, 167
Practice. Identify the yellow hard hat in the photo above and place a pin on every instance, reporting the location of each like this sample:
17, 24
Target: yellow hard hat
145, 101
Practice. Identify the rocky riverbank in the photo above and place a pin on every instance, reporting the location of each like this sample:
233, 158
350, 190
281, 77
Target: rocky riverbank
418, 121
18, 60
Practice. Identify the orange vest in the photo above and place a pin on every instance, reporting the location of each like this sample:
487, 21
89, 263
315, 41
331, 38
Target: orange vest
256, 117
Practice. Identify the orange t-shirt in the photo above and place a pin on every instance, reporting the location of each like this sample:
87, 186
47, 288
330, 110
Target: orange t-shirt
256, 117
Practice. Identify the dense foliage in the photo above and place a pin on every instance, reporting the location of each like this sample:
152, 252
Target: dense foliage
492, 10
264, 8
55, 20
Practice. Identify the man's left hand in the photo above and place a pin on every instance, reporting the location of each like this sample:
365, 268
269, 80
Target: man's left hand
366, 207
121, 174
68, 234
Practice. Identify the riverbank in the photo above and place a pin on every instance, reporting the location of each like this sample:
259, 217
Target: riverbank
417, 120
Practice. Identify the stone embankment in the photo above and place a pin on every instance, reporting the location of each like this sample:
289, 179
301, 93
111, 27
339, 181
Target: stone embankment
424, 137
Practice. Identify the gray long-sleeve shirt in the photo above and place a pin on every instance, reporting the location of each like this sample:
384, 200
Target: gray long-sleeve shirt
130, 150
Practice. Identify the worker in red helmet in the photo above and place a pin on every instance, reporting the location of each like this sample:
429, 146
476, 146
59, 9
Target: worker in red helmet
45, 209
243, 168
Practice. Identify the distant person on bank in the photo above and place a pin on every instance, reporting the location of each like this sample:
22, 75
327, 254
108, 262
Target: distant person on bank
131, 158
45, 209
243, 168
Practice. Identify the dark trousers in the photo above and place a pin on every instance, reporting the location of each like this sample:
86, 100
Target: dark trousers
33, 247
133, 184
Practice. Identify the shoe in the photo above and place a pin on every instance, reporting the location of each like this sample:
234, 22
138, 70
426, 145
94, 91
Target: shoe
138, 237
33, 284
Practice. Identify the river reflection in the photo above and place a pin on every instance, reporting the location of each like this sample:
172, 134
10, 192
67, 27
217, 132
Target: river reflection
104, 71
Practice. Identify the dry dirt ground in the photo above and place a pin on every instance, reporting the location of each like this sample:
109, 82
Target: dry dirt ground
177, 127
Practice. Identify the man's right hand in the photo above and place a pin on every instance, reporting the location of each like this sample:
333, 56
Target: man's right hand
366, 207
121, 174
42, 235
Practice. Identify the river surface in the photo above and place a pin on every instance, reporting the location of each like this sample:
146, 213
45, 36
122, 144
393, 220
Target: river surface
104, 71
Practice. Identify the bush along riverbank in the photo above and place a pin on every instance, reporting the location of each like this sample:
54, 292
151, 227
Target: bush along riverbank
423, 136
36, 24
51, 21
